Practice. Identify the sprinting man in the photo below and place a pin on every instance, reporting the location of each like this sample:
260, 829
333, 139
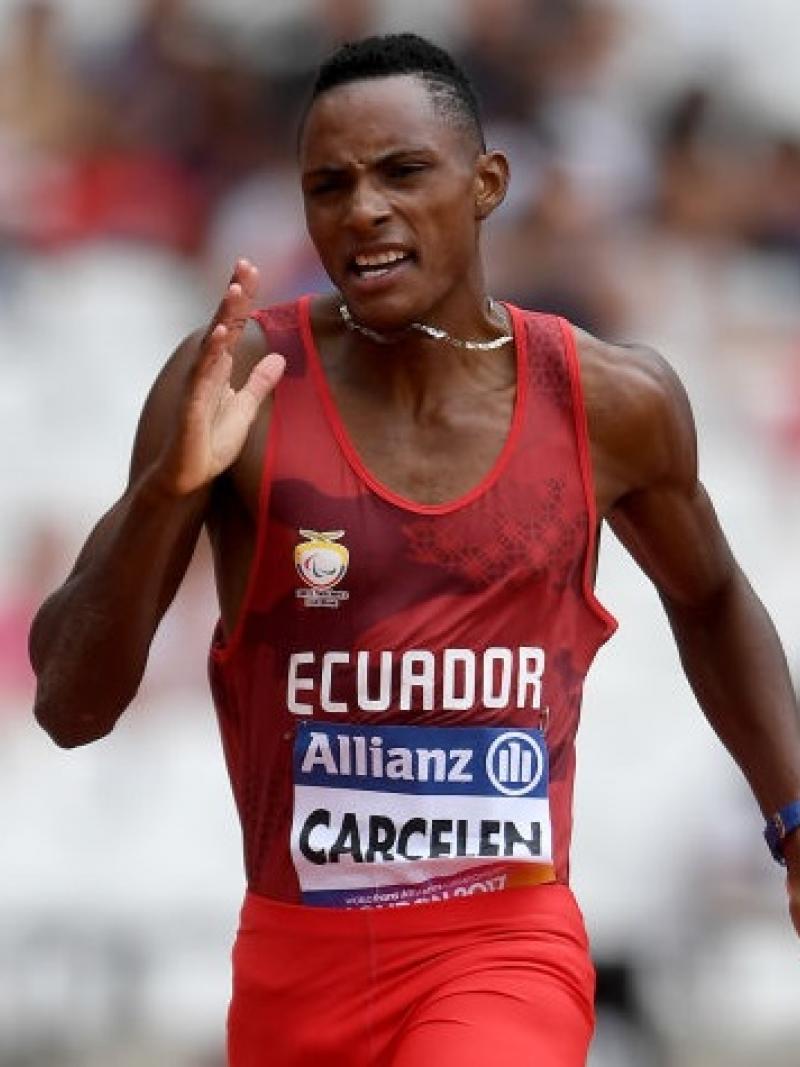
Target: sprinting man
403, 484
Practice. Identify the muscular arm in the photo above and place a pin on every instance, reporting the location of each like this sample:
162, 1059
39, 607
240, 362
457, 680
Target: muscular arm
90, 640
660, 511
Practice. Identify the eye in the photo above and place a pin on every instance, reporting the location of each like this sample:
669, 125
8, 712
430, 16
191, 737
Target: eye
321, 189
322, 186
406, 170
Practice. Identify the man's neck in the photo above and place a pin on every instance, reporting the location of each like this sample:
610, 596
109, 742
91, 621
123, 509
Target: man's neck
412, 371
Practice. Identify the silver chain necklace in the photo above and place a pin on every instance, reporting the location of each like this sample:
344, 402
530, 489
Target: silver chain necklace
430, 331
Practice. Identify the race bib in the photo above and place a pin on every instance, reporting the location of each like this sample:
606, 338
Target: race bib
396, 815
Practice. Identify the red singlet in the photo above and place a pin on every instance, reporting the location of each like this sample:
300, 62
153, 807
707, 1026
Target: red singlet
398, 705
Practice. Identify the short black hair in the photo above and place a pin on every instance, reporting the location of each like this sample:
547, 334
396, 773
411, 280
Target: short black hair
404, 53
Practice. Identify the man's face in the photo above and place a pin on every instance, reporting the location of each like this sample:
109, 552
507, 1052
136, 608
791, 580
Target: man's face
390, 190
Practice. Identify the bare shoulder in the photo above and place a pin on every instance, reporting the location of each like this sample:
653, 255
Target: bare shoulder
641, 427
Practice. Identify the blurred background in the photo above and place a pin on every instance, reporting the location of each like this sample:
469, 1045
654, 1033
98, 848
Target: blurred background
144, 145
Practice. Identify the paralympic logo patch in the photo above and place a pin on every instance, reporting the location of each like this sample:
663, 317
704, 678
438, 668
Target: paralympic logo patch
321, 561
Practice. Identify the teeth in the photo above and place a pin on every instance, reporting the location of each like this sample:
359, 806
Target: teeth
379, 259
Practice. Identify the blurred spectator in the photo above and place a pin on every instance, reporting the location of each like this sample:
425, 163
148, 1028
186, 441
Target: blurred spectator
138, 178
262, 217
706, 181
151, 76
779, 222
502, 51
46, 115
556, 258
44, 107
287, 54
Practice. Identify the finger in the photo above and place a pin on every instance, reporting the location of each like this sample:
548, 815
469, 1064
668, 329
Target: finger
235, 307
212, 371
234, 310
237, 298
231, 314
263, 378
213, 347
230, 305
247, 275
240, 307
211, 344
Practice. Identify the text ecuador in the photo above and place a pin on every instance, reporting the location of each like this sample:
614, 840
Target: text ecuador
456, 679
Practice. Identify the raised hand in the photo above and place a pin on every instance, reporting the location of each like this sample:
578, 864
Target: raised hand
214, 419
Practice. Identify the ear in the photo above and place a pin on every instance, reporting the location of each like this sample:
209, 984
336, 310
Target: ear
491, 183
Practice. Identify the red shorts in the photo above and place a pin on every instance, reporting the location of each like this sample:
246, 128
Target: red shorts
502, 978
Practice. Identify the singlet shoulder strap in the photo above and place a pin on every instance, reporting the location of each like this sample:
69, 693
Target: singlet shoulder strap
282, 329
548, 359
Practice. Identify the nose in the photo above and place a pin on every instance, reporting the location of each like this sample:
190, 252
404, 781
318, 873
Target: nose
368, 207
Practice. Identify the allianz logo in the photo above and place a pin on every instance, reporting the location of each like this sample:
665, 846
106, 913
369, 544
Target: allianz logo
514, 761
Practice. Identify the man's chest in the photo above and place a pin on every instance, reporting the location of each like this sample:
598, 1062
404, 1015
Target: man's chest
434, 456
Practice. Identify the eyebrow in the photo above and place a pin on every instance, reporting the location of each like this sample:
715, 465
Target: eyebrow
387, 157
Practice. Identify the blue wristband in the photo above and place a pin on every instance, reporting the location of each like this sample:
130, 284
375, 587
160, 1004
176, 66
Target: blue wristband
779, 826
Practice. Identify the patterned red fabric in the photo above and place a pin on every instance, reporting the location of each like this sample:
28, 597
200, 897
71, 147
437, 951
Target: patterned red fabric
508, 566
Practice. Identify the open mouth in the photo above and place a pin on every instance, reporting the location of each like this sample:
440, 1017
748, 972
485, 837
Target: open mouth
374, 265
